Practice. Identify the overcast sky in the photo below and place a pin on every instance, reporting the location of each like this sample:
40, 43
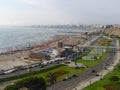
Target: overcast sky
30, 12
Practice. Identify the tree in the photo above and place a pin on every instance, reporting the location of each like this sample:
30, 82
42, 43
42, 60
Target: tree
114, 78
119, 66
31, 83
51, 78
35, 83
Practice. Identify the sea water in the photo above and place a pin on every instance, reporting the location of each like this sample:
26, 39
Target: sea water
14, 36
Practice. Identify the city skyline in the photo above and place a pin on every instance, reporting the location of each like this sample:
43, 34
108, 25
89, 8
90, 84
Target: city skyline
48, 12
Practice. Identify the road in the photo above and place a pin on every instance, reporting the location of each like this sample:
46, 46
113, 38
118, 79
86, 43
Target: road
64, 85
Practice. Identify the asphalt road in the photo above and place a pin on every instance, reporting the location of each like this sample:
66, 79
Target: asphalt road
63, 85
37, 68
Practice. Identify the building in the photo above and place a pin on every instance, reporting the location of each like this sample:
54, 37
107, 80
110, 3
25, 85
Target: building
44, 55
67, 50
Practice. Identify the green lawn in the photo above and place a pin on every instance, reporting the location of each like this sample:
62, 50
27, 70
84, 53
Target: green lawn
90, 63
70, 70
99, 84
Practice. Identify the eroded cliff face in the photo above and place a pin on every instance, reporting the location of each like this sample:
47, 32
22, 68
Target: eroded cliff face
113, 31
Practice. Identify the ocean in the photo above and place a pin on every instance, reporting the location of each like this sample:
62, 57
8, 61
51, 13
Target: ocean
14, 36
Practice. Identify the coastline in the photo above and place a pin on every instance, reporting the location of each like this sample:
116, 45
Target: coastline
16, 57
19, 57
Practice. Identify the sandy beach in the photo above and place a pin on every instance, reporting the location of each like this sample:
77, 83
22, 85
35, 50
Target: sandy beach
20, 57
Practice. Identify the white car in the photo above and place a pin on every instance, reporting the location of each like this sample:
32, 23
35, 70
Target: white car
28, 70
45, 62
10, 71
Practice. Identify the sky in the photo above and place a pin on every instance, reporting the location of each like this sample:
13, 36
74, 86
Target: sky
52, 12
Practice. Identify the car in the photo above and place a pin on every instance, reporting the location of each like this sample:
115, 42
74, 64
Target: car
10, 71
74, 75
57, 62
97, 75
41, 66
27, 67
93, 71
64, 79
26, 58
45, 63
34, 65
2, 72
69, 77
51, 62
28, 70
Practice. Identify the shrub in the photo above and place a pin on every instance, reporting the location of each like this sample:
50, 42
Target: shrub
119, 66
32, 83
114, 78
109, 87
59, 73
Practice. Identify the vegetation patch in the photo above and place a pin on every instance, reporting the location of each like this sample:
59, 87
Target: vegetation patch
114, 78
92, 63
29, 74
109, 87
60, 72
31, 83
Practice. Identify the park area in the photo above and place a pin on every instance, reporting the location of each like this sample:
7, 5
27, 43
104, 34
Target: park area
91, 63
95, 55
61, 72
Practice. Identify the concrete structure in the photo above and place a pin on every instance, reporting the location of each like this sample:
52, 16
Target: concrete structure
44, 55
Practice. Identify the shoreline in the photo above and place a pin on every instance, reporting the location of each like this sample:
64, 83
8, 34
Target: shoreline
31, 46
17, 57
20, 57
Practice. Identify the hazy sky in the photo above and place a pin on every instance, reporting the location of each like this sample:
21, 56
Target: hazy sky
29, 12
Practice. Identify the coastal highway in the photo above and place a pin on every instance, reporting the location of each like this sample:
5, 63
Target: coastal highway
24, 71
70, 83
